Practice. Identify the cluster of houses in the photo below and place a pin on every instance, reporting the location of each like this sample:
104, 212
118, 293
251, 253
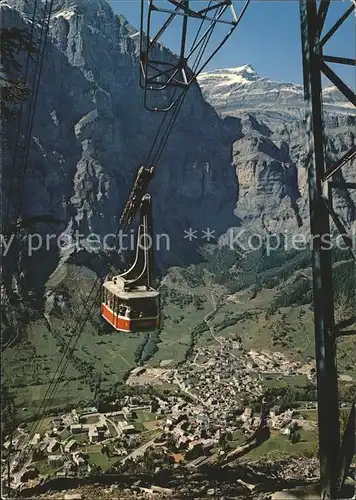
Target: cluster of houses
61, 447
221, 379
265, 362
217, 381
224, 376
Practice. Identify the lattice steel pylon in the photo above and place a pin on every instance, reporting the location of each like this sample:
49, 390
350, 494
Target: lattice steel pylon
335, 454
161, 71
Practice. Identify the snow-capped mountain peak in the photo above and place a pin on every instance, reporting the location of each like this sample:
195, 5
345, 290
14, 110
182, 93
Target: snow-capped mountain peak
230, 76
232, 90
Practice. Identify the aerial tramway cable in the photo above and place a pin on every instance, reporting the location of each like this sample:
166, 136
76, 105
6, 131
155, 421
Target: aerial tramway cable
43, 36
30, 123
16, 143
177, 74
27, 134
176, 109
76, 333
17, 199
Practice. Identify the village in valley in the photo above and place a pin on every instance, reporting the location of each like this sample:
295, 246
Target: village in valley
202, 411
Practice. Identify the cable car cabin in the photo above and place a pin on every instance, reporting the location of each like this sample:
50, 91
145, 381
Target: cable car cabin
130, 311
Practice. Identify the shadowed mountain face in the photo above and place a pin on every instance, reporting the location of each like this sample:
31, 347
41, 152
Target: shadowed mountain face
91, 133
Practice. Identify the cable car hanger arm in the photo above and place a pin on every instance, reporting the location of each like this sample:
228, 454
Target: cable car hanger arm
132, 206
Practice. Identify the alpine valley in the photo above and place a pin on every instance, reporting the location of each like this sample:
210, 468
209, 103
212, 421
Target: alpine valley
237, 321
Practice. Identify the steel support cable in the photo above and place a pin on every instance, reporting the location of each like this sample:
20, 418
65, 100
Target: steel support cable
204, 45
162, 144
30, 42
60, 370
194, 46
30, 123
51, 390
225, 38
16, 143
198, 58
168, 132
218, 14
69, 349
80, 323
12, 412
74, 339
159, 130
200, 27
181, 100
33, 96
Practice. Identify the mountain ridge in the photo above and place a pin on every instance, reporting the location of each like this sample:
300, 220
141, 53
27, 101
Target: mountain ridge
229, 171
239, 89
90, 106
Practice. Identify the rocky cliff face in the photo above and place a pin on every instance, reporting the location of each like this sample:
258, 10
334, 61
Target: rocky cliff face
267, 174
91, 133
270, 152
271, 170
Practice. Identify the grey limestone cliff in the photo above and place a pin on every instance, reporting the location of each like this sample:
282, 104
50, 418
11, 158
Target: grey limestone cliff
91, 133
271, 170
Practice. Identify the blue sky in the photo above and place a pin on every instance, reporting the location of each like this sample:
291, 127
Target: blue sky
268, 38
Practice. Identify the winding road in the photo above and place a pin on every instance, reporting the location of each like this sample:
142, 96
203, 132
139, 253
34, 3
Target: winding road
210, 316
